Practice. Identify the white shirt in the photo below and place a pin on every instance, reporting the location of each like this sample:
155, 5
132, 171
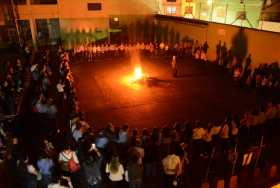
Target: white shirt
207, 137
31, 169
117, 176
170, 164
60, 88
56, 186
65, 156
198, 133
225, 131
215, 130
141, 153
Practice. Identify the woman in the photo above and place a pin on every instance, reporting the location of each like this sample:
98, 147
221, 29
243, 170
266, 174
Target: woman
64, 158
116, 171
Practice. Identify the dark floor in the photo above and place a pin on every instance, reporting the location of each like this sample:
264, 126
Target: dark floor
202, 91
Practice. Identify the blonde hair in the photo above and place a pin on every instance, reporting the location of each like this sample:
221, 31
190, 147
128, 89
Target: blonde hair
114, 164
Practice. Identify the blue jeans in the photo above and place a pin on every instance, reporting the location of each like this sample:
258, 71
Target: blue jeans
46, 180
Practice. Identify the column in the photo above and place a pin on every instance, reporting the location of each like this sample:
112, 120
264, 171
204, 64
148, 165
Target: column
33, 29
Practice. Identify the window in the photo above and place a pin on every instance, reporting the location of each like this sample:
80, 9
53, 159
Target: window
43, 2
42, 29
171, 0
20, 2
24, 30
189, 10
171, 10
94, 6
114, 22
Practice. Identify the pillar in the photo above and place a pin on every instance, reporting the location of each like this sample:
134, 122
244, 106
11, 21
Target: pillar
33, 29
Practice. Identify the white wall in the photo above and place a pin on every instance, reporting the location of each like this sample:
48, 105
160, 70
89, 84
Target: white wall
270, 26
263, 45
37, 11
78, 8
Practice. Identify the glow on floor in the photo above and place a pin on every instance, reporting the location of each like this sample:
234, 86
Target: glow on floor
136, 79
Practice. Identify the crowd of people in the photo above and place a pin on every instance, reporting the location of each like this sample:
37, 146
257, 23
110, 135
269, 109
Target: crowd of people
11, 78
265, 76
72, 153
90, 51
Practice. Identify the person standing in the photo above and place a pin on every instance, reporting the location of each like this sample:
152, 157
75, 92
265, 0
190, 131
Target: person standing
174, 66
205, 47
116, 171
134, 173
67, 156
218, 52
248, 62
223, 54
171, 166
45, 165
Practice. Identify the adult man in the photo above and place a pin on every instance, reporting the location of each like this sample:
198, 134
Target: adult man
174, 66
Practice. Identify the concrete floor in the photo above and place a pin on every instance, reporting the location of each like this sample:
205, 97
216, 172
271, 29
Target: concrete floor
202, 91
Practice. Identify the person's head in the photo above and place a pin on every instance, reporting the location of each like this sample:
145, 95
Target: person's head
134, 158
78, 125
50, 101
63, 181
134, 132
67, 147
138, 142
91, 157
155, 131
46, 142
111, 127
125, 127
145, 132
114, 164
15, 141
18, 61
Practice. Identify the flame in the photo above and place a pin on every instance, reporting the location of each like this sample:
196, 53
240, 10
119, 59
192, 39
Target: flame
138, 74
133, 80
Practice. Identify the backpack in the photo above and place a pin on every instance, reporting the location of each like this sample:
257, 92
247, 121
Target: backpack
73, 166
70, 165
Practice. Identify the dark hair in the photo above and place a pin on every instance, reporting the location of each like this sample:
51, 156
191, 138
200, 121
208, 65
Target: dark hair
63, 182
125, 127
91, 157
67, 146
